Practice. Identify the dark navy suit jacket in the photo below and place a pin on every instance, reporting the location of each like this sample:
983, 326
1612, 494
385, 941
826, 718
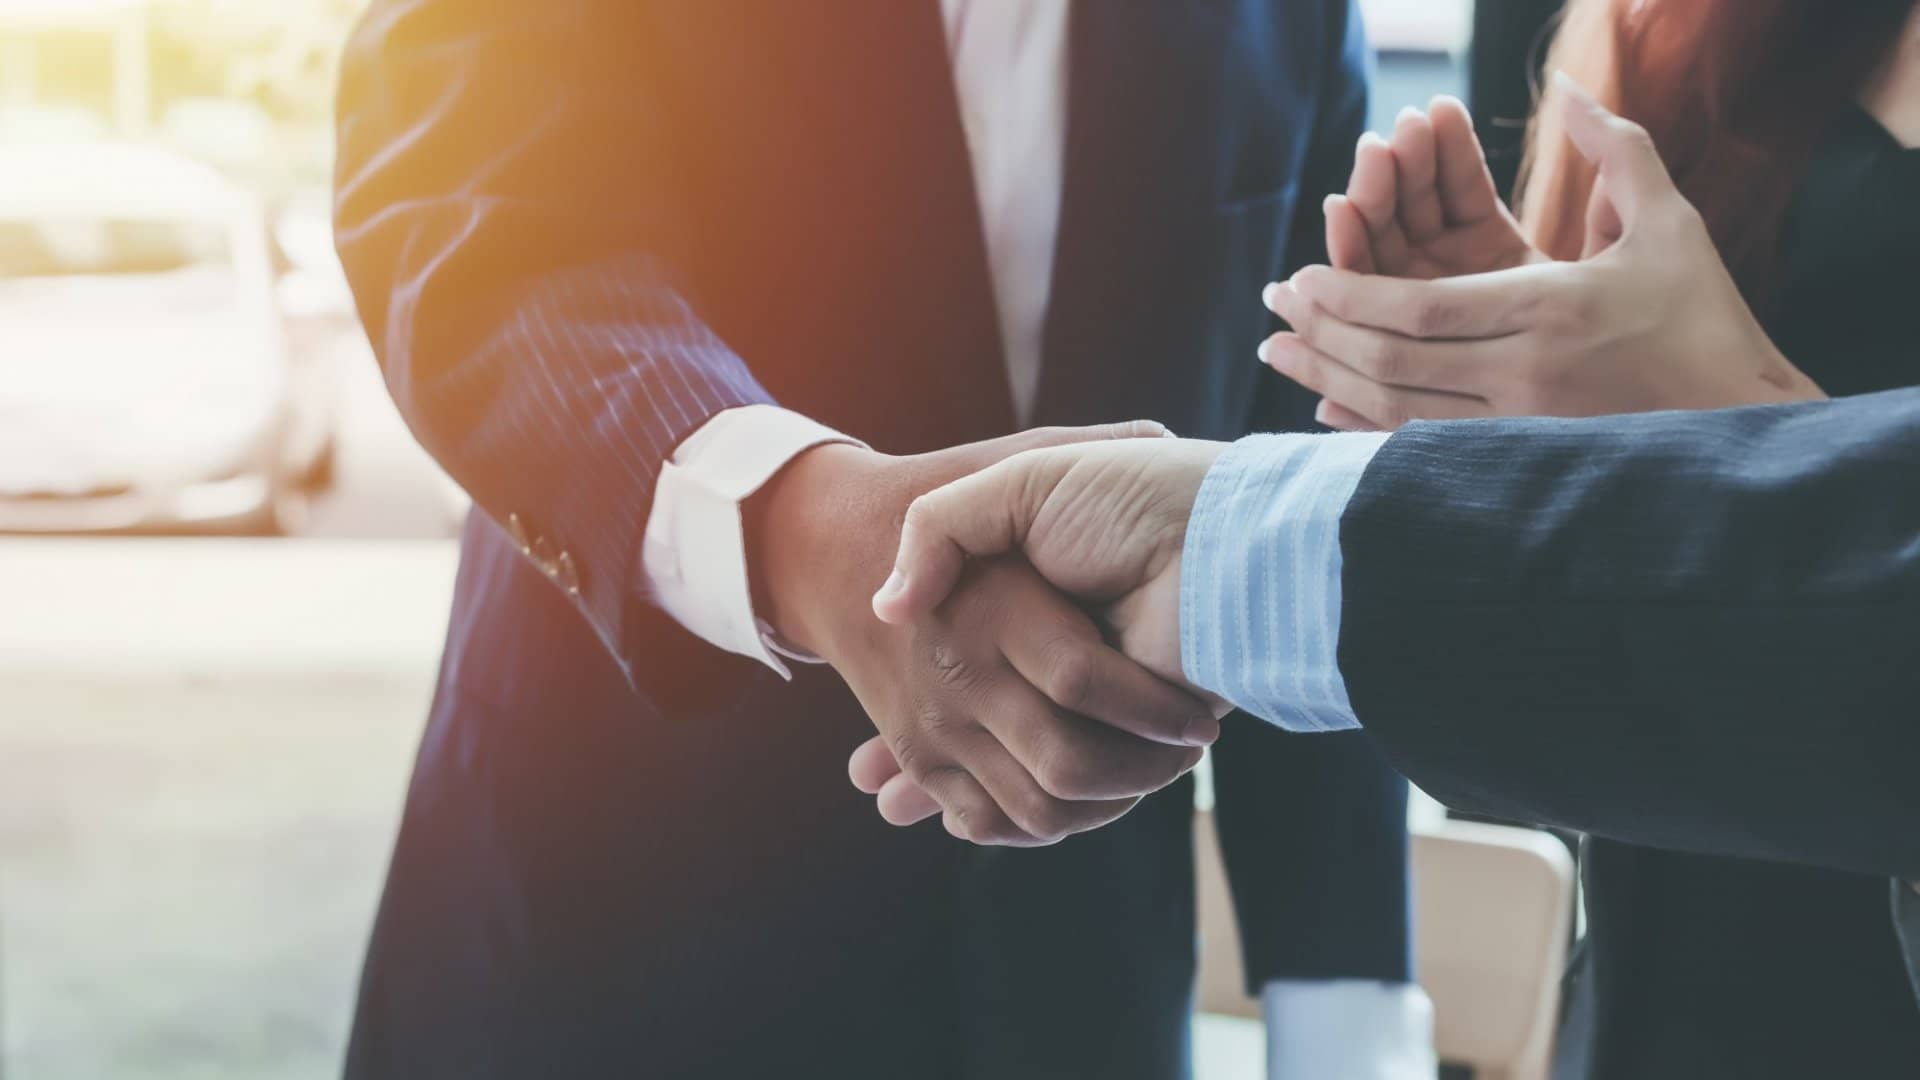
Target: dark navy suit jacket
1692, 633
567, 223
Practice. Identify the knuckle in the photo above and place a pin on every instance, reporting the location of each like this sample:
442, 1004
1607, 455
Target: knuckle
1307, 320
1385, 360
933, 726
1046, 820
1683, 216
1635, 137
1137, 429
1071, 675
913, 756
1393, 412
985, 824
1065, 774
963, 822
951, 670
1432, 318
919, 513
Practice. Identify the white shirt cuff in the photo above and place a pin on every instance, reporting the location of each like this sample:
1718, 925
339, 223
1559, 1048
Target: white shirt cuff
1358, 1029
694, 554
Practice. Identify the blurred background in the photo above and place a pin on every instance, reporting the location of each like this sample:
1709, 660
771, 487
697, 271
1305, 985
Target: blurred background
224, 564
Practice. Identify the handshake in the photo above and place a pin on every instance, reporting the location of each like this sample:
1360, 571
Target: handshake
1024, 671
1034, 605
1104, 522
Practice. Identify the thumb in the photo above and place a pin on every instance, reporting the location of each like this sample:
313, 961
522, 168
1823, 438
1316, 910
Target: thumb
985, 513
1634, 177
976, 515
1604, 227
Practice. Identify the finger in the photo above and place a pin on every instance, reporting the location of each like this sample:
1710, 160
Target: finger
1340, 418
1063, 656
1385, 406
1373, 191
992, 451
1473, 306
899, 600
1457, 367
1604, 227
1348, 245
1414, 180
1077, 760
871, 765
1037, 815
1467, 191
1622, 151
903, 802
966, 808
986, 513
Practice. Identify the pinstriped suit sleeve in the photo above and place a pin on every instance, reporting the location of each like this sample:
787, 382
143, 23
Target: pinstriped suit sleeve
1260, 577
508, 216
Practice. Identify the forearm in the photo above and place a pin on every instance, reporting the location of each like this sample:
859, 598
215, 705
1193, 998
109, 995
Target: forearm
1686, 630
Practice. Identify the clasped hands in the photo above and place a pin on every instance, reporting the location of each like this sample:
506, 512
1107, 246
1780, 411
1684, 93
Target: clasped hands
1436, 307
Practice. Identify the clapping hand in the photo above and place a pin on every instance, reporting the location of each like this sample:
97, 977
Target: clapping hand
1437, 308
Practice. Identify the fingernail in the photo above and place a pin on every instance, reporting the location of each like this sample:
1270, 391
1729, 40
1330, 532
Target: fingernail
1408, 113
1261, 352
1270, 295
1202, 730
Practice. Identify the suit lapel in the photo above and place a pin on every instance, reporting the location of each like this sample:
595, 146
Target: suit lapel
921, 165
1142, 80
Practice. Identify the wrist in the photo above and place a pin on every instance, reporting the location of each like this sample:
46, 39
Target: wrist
815, 532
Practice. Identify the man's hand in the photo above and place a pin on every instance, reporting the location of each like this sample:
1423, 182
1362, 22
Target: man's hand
1006, 706
1650, 320
1104, 522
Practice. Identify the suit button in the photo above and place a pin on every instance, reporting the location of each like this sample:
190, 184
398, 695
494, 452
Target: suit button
566, 575
517, 532
542, 556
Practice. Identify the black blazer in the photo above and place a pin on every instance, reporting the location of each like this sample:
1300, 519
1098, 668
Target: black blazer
1692, 632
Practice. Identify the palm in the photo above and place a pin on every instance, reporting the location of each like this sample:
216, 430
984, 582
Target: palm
1424, 205
1476, 247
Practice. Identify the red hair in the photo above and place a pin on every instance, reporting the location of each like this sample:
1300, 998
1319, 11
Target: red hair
1736, 94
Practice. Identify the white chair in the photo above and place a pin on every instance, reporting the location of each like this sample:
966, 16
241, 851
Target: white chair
1492, 906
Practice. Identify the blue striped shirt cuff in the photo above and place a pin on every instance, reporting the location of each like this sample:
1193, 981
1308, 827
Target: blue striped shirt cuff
1260, 577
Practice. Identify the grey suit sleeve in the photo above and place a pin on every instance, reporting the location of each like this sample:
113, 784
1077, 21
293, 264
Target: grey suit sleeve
1693, 631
